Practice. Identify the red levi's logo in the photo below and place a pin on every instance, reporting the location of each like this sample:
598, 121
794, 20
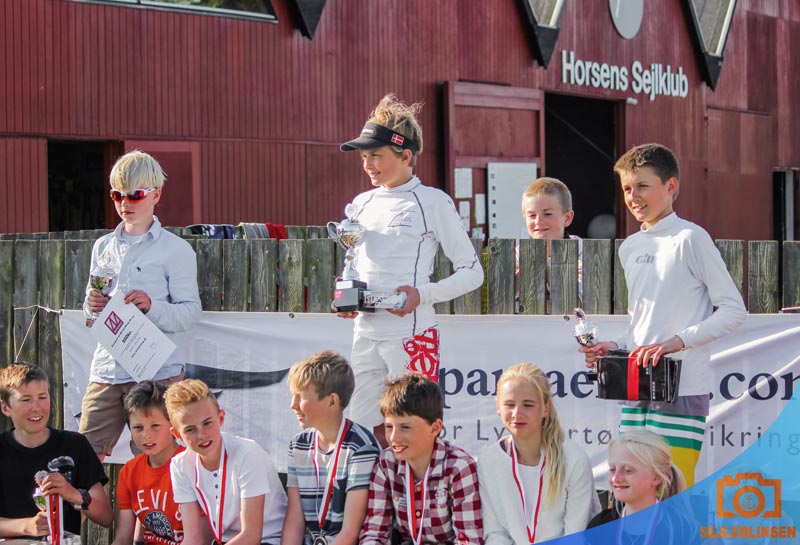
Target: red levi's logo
397, 139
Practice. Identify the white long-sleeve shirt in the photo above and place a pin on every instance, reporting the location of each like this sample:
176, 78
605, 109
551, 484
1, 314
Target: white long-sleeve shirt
503, 516
162, 265
676, 277
405, 226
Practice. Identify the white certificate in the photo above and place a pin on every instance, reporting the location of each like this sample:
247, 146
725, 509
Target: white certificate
134, 341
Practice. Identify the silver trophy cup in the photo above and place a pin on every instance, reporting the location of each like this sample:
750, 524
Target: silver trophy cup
349, 234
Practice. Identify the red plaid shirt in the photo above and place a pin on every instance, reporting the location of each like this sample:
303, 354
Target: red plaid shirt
453, 510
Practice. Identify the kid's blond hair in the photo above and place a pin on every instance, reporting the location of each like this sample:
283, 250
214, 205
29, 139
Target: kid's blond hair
183, 393
652, 451
401, 118
136, 170
552, 187
327, 372
552, 434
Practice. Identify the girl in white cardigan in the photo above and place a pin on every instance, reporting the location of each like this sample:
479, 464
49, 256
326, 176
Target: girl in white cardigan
535, 485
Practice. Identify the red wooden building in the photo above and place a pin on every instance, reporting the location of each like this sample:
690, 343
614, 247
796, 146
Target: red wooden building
246, 111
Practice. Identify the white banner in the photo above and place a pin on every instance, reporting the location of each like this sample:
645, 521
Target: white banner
245, 357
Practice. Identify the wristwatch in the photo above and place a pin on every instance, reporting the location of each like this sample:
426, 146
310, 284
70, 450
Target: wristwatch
86, 500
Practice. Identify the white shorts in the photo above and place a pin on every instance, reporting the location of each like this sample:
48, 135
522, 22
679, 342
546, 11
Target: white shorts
375, 361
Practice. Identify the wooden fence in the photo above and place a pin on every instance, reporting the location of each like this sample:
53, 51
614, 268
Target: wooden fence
49, 271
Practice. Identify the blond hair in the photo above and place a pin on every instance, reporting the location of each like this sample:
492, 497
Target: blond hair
183, 393
552, 187
552, 434
401, 118
652, 451
327, 372
136, 170
13, 377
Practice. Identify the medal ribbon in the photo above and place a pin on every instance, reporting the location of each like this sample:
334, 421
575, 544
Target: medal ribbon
512, 451
322, 513
633, 378
207, 504
411, 503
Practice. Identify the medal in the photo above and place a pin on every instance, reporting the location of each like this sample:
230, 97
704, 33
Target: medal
205, 504
320, 540
530, 528
322, 511
415, 519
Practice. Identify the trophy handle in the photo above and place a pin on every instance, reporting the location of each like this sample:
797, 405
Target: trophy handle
332, 230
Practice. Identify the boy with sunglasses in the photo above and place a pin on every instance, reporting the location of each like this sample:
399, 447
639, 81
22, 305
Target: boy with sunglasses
152, 269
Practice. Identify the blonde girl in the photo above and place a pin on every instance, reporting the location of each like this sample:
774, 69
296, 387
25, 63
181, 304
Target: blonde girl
535, 484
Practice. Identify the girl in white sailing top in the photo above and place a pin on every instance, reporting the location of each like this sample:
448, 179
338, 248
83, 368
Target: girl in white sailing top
535, 484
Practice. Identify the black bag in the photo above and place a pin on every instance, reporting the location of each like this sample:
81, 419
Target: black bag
659, 383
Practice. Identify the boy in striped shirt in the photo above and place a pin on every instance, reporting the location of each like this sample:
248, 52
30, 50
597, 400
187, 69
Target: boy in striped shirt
331, 460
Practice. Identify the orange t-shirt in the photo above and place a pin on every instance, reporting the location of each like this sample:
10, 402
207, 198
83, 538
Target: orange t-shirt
147, 492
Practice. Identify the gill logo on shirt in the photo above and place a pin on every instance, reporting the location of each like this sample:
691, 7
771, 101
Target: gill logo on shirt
646, 259
402, 218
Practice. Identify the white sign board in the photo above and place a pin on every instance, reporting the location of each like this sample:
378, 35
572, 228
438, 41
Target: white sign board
505, 183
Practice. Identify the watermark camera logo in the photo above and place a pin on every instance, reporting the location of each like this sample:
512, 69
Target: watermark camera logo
752, 496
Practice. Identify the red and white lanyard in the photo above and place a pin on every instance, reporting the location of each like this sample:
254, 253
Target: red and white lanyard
530, 528
322, 511
411, 503
206, 503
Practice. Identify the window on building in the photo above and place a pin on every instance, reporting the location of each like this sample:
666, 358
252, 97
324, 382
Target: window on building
249, 8
786, 205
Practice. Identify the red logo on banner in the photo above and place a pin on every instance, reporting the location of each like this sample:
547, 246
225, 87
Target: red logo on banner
113, 323
423, 349
397, 139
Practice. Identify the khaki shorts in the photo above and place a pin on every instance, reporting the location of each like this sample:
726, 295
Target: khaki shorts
103, 413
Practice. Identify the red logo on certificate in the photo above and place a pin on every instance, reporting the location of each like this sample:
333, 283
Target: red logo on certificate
113, 323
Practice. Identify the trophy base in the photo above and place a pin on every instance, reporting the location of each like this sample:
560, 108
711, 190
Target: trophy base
347, 295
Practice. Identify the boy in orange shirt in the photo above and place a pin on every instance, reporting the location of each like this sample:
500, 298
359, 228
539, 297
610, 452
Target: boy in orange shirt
144, 490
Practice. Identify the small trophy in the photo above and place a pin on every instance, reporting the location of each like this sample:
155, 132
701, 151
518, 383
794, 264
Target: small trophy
38, 497
351, 294
102, 278
586, 334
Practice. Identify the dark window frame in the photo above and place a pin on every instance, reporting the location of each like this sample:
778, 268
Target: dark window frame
200, 10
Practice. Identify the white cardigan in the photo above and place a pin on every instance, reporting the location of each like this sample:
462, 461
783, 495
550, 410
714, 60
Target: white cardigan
503, 516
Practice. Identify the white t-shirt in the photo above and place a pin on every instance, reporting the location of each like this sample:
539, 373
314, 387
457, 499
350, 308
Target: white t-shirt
250, 473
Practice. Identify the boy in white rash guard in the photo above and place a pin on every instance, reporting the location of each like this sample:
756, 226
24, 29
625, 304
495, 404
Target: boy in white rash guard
680, 298
405, 223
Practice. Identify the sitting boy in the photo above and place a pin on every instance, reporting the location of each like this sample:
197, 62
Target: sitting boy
680, 298
152, 269
438, 480
31, 446
331, 461
227, 480
144, 489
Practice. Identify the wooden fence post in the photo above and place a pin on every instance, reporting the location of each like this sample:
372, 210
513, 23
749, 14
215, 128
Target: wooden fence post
791, 274
532, 276
620, 286
6, 301
597, 277
563, 276
500, 275
290, 275
442, 268
470, 303
320, 272
235, 275
732, 252
263, 274
26, 294
77, 260
51, 295
763, 276
209, 273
